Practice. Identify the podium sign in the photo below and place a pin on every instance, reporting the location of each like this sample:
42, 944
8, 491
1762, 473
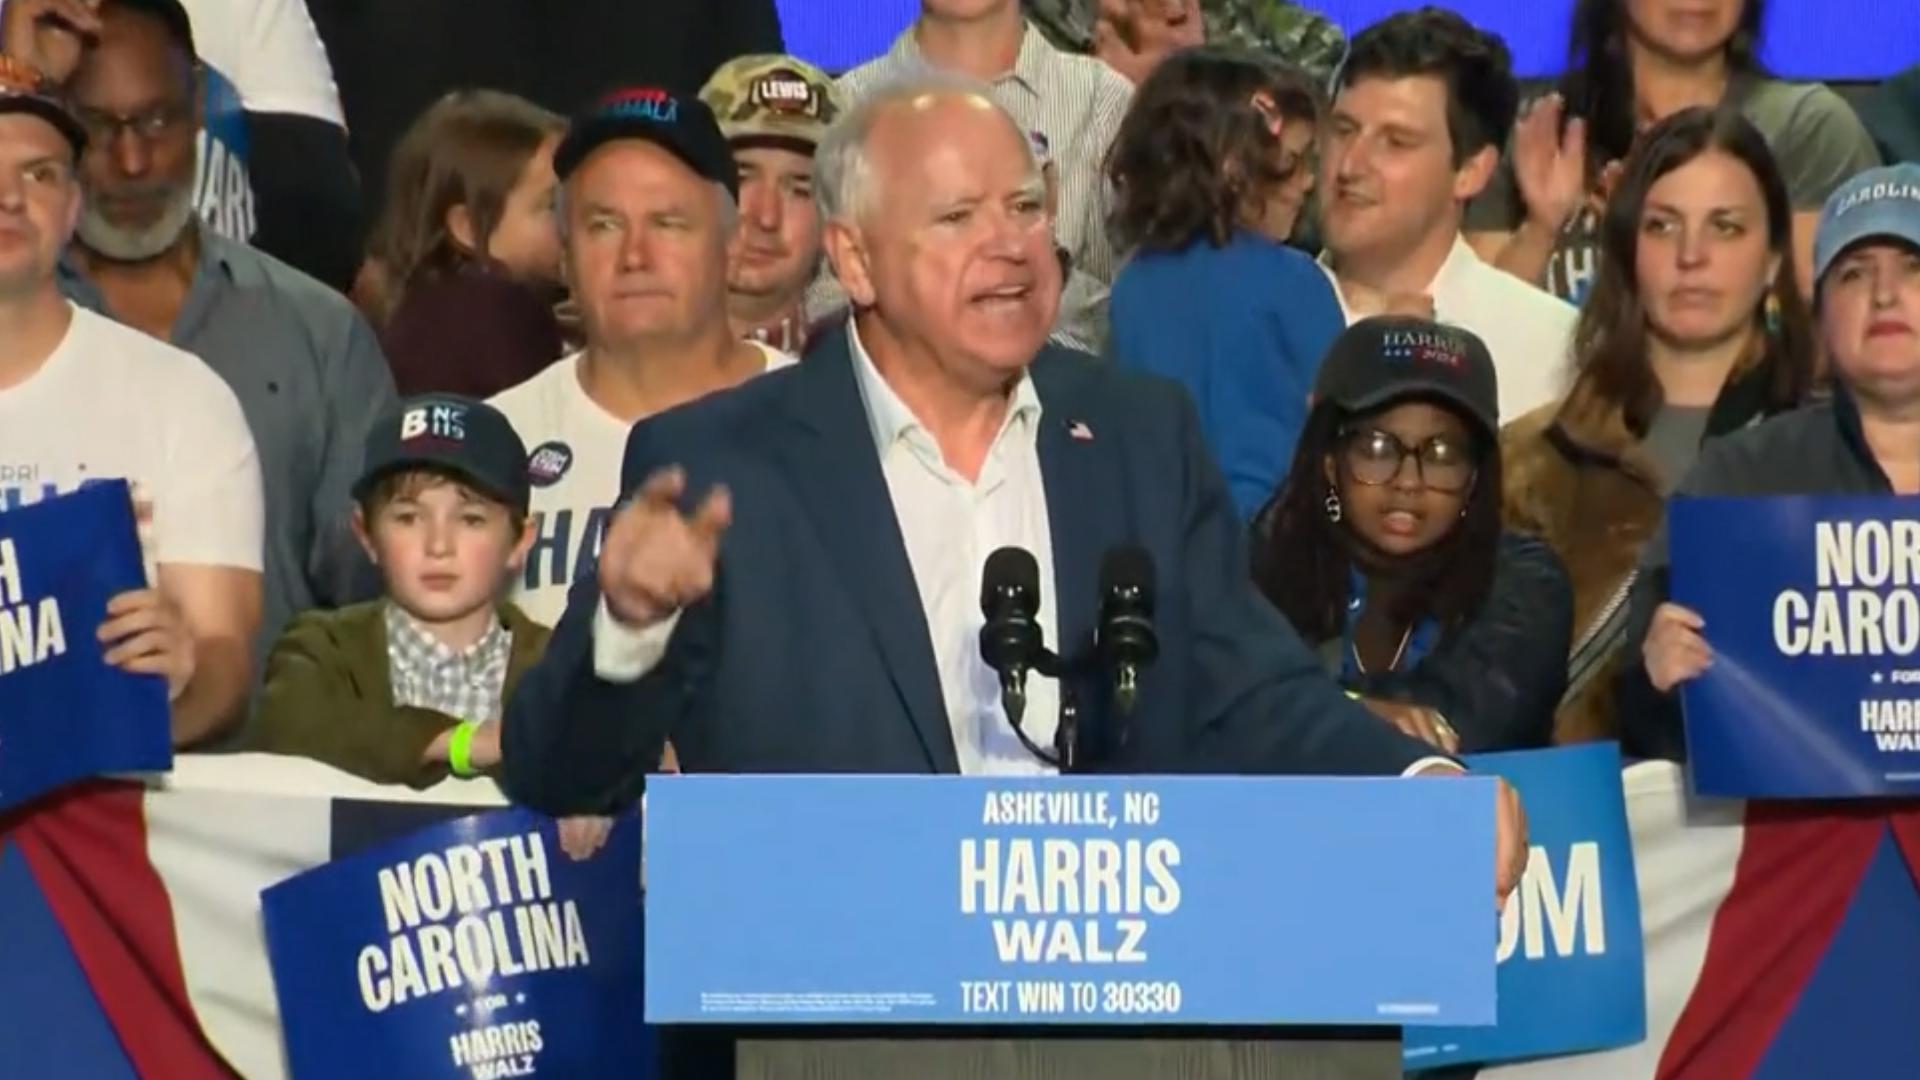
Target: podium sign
1812, 606
1047, 900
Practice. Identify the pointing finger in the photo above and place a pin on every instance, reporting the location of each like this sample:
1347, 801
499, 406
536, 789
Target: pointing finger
663, 486
714, 515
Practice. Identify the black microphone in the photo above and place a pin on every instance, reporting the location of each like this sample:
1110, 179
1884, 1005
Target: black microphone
1011, 641
1124, 640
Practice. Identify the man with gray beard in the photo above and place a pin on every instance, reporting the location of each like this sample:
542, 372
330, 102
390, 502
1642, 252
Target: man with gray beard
307, 369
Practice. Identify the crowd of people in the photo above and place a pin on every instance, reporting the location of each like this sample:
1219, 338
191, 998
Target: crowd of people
716, 402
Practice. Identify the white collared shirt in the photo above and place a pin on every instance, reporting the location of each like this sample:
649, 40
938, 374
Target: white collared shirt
950, 526
1528, 331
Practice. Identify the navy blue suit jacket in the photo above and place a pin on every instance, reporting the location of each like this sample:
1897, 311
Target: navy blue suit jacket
812, 652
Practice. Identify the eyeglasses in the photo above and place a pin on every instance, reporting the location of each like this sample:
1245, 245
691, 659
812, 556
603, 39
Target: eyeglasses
1443, 463
103, 127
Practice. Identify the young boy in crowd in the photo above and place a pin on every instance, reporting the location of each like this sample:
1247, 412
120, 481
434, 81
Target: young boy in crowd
409, 688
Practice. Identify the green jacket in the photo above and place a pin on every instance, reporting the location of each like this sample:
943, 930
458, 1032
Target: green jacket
329, 696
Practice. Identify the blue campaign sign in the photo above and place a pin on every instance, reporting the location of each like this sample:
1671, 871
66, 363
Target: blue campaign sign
1137, 900
1812, 607
473, 949
66, 714
1572, 974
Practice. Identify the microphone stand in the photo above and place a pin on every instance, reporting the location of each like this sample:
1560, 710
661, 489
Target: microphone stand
1066, 734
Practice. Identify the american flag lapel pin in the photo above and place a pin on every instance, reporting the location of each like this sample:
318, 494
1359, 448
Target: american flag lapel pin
1079, 430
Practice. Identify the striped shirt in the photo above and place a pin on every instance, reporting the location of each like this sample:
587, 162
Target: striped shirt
1075, 104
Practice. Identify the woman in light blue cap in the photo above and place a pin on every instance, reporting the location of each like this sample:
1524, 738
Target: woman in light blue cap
1865, 441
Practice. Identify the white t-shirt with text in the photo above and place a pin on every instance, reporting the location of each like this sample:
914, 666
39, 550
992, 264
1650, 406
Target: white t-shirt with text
575, 450
112, 403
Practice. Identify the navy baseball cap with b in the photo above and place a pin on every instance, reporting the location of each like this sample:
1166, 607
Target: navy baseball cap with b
1381, 360
682, 126
466, 438
1878, 203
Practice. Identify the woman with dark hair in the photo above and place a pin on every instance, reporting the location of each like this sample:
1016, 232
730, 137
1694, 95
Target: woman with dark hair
1385, 550
1210, 167
1630, 64
467, 251
1695, 329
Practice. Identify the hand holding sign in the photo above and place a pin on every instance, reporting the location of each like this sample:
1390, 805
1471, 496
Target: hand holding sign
1675, 652
1510, 845
656, 560
581, 837
146, 635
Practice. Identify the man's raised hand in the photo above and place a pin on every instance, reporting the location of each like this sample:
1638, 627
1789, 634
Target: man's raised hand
655, 559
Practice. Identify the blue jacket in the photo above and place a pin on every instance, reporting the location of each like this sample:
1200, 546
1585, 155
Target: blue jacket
812, 652
1243, 328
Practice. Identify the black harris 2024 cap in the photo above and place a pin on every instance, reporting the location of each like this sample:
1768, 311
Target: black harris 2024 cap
1380, 360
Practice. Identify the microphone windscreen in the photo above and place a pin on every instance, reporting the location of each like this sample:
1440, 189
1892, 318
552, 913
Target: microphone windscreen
1008, 569
1128, 568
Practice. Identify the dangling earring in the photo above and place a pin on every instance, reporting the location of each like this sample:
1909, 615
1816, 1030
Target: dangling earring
1333, 507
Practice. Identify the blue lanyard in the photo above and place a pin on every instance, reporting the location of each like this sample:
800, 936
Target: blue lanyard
1420, 641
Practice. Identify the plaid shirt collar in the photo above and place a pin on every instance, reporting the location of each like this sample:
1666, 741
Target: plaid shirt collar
427, 674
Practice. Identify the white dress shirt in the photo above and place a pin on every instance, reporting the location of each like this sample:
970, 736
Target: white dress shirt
1528, 331
950, 526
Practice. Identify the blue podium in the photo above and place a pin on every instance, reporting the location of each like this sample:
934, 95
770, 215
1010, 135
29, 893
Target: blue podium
1158, 927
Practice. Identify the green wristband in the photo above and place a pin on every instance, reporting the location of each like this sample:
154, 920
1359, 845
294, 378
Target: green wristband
460, 748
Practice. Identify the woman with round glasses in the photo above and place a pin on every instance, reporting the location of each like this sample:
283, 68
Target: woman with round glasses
1384, 546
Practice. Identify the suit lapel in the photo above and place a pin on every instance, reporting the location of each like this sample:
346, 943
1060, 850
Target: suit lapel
837, 473
1087, 502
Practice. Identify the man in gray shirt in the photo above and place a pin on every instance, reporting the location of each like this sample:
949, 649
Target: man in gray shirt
307, 369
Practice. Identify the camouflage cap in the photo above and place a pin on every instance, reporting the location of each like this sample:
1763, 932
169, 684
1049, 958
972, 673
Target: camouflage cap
770, 99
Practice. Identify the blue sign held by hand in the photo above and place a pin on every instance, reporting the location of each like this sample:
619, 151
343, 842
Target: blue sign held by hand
474, 950
1572, 973
1812, 608
64, 713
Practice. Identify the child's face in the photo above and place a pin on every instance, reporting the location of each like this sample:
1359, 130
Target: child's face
444, 550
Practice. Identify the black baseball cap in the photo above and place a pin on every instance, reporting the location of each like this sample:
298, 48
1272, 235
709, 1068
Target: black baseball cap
682, 125
23, 91
1381, 360
467, 438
